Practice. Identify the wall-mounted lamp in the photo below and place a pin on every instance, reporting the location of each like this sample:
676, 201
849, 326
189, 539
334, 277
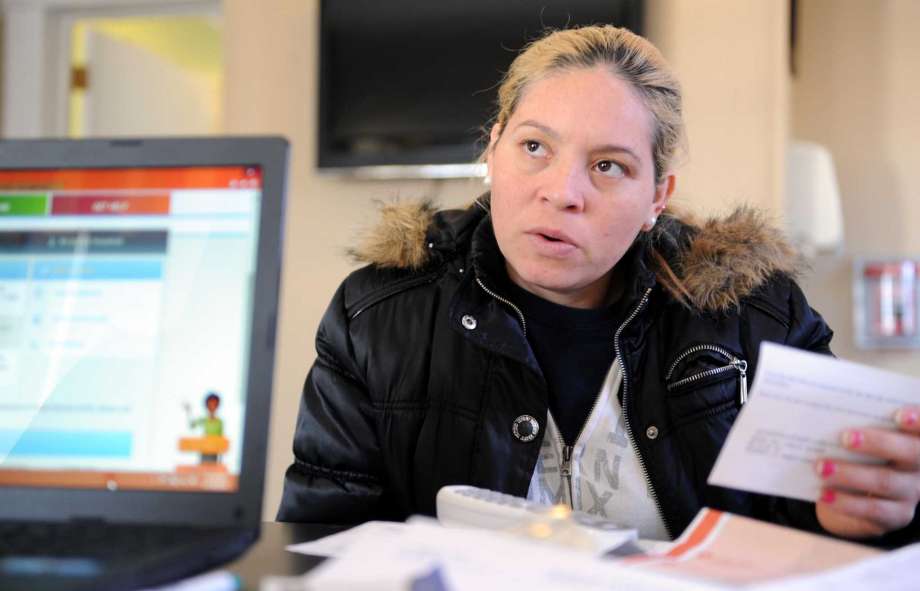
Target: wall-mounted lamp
813, 214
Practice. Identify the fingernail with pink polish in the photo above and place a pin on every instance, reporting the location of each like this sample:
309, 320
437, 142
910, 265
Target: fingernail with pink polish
828, 496
853, 439
826, 468
908, 418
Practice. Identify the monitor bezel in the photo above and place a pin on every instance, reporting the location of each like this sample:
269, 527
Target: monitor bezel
240, 507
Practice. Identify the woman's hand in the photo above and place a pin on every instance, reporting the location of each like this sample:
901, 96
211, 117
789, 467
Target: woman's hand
860, 500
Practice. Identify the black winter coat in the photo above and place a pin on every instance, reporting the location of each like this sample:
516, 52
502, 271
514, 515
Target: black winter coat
405, 396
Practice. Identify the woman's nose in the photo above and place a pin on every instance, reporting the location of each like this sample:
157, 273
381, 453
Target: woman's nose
564, 186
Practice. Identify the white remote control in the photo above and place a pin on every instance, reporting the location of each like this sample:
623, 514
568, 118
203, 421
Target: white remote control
469, 506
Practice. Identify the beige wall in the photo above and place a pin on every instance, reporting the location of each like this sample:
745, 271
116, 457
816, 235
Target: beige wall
730, 54
731, 57
856, 92
270, 53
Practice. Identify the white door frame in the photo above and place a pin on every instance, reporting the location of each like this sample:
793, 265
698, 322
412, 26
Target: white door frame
36, 55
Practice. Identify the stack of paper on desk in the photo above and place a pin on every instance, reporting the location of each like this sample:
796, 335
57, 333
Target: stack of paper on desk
602, 542
718, 551
426, 555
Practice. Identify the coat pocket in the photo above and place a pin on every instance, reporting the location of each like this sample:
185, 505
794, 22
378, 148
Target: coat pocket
705, 380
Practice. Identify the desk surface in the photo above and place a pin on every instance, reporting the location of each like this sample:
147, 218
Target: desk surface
268, 556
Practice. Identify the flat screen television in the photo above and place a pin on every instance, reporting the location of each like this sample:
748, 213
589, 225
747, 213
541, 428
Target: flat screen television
407, 86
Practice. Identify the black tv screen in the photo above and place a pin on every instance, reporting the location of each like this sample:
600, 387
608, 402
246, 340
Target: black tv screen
412, 82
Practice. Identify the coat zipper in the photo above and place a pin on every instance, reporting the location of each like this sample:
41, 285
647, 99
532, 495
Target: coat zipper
629, 432
567, 450
399, 287
506, 302
734, 363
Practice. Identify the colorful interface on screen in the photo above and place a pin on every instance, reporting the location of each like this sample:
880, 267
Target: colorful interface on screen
124, 326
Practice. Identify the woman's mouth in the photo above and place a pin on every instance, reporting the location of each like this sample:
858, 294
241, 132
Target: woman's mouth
552, 235
551, 243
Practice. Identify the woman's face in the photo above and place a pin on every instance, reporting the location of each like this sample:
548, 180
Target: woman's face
573, 183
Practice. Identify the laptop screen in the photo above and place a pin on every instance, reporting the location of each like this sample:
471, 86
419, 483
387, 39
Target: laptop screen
124, 326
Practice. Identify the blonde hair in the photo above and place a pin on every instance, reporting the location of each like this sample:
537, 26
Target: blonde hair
630, 57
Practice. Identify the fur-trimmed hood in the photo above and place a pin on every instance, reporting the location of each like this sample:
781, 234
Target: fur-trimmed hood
709, 265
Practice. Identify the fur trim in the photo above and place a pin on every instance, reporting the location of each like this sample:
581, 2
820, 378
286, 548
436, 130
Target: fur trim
398, 240
730, 257
721, 261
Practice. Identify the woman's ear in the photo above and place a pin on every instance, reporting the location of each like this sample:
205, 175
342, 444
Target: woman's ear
493, 139
663, 192
495, 134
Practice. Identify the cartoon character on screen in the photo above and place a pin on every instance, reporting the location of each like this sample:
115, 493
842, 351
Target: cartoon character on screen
213, 428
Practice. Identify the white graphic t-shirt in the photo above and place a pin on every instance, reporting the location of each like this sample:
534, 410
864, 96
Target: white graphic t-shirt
607, 479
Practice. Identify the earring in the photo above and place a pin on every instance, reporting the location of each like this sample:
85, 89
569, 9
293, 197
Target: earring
652, 221
487, 180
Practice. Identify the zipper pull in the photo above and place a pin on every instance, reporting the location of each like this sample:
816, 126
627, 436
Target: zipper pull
741, 364
565, 470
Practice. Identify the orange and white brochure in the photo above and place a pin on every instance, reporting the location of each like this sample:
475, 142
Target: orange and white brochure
735, 551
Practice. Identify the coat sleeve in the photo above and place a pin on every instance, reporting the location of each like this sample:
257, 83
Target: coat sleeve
807, 330
336, 473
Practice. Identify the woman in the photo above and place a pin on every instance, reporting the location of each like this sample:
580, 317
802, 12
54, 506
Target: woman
551, 340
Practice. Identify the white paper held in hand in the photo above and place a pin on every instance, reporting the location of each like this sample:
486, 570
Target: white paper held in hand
799, 405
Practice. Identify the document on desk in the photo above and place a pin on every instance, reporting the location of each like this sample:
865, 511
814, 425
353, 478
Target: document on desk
891, 571
426, 555
337, 544
601, 541
736, 551
799, 404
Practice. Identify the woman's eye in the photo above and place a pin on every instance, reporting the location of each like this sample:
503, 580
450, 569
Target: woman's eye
534, 148
610, 168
